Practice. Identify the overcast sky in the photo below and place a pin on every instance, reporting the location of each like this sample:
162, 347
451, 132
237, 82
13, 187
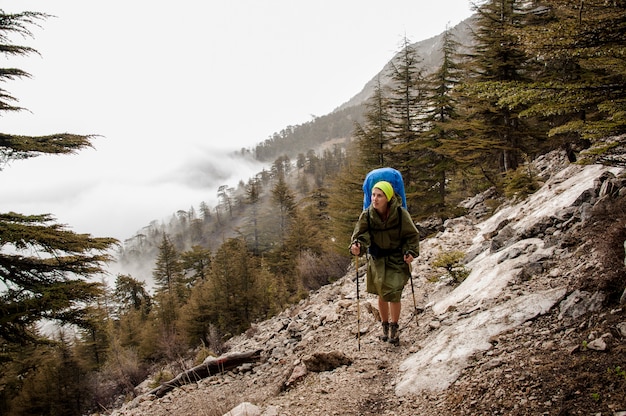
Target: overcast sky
171, 87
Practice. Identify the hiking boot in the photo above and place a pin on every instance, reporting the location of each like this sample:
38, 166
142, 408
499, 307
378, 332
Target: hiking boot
394, 330
385, 335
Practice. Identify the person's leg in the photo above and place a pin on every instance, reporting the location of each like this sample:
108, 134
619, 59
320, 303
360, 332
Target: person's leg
383, 308
395, 311
393, 325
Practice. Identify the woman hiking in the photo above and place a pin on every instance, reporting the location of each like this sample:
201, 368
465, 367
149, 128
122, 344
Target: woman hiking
388, 233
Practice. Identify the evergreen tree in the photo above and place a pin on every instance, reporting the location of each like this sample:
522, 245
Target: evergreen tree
346, 200
44, 271
495, 139
374, 134
134, 304
580, 88
12, 146
233, 287
94, 336
407, 106
284, 200
131, 294
224, 194
168, 270
253, 198
440, 114
44, 267
57, 385
171, 291
196, 264
201, 313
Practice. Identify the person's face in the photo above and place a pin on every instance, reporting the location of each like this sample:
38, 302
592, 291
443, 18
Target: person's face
379, 200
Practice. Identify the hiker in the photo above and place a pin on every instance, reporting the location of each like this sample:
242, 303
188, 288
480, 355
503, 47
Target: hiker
385, 229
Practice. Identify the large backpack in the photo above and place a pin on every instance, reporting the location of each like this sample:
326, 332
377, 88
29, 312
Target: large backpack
390, 175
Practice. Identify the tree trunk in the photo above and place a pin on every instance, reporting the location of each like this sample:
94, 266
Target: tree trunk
208, 368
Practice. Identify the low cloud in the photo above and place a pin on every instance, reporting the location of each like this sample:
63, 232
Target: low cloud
108, 196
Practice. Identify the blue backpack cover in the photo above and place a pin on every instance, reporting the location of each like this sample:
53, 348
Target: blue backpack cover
390, 175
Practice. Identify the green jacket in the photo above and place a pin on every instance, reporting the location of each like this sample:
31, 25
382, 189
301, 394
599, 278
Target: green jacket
387, 242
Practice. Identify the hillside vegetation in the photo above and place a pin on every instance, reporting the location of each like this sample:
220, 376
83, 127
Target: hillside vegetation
532, 79
535, 326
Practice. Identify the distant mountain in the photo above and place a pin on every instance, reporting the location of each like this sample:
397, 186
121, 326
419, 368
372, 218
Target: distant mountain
430, 52
337, 126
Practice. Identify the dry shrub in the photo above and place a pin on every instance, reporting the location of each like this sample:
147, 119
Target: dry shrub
452, 262
117, 378
202, 354
171, 345
316, 271
520, 183
215, 338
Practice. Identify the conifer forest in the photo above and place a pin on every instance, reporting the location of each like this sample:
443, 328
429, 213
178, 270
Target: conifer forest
533, 77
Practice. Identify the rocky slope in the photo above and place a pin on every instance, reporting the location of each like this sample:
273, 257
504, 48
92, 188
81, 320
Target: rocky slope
537, 327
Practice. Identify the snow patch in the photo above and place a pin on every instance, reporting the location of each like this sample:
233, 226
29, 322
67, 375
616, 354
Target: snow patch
440, 363
446, 353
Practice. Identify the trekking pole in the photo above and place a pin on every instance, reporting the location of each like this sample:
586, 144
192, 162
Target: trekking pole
413, 293
358, 304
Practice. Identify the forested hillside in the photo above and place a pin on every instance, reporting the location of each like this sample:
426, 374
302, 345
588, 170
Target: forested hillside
532, 78
308, 156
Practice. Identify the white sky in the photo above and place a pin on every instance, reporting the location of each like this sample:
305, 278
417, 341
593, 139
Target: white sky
172, 87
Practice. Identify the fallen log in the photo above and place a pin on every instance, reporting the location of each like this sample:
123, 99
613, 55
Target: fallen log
208, 368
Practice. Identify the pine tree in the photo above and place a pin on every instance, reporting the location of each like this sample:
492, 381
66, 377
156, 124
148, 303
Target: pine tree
253, 198
12, 146
580, 88
44, 270
495, 139
407, 106
435, 167
171, 291
94, 338
131, 294
374, 134
196, 264
44, 267
56, 385
284, 200
47, 279
224, 194
346, 200
134, 304
201, 313
167, 272
234, 289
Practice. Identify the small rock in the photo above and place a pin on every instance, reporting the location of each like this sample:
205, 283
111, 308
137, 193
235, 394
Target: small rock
244, 409
597, 345
298, 373
321, 361
434, 325
271, 411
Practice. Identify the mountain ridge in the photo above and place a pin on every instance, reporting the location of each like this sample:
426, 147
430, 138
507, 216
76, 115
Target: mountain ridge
430, 52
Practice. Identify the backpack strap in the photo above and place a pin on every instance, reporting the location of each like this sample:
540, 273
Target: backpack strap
369, 224
374, 250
